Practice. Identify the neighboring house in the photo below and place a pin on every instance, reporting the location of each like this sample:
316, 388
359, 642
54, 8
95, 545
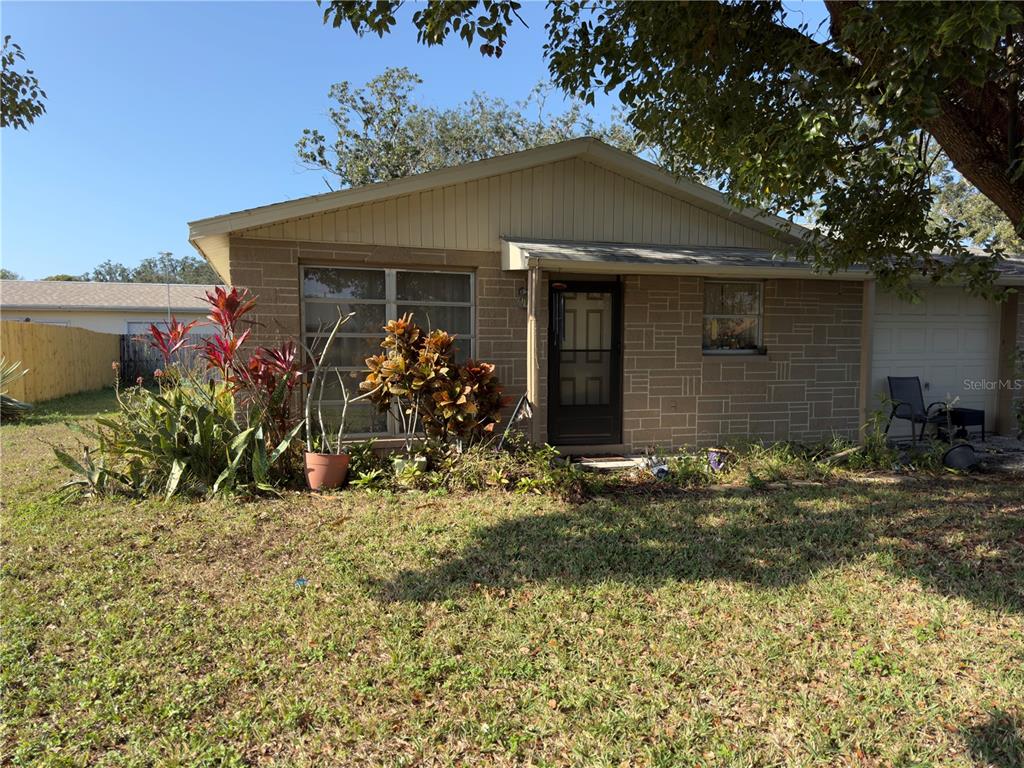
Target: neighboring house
634, 309
122, 308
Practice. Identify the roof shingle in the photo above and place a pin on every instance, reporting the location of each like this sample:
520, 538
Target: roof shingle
54, 294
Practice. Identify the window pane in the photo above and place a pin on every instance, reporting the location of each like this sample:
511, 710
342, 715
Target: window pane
332, 382
432, 286
323, 283
732, 298
347, 350
730, 333
369, 318
362, 418
456, 320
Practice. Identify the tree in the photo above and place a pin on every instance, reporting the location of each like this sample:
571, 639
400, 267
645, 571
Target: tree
111, 272
984, 224
833, 125
381, 132
165, 267
64, 277
8, 274
22, 98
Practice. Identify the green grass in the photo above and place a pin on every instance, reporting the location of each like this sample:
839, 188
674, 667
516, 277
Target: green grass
864, 621
72, 407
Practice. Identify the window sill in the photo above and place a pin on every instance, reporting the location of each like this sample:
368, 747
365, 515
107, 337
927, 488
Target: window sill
734, 352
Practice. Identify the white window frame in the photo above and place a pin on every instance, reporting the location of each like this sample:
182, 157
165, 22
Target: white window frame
758, 316
390, 302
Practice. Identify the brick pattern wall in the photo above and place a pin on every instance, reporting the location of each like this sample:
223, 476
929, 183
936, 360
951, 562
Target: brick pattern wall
805, 388
270, 269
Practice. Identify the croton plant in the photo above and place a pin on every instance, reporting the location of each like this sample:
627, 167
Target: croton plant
417, 379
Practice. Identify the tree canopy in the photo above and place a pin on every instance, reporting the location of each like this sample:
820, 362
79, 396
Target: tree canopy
21, 98
837, 126
381, 132
165, 267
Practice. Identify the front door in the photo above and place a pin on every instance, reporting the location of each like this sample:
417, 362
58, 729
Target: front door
585, 368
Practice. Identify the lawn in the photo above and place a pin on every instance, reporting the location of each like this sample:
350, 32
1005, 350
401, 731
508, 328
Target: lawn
867, 621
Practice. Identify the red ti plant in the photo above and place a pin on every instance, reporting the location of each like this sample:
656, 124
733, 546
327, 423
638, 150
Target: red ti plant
174, 339
227, 307
220, 351
267, 382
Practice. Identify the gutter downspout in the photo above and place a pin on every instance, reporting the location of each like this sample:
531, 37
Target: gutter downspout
532, 346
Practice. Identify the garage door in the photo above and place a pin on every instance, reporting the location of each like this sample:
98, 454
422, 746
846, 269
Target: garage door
946, 339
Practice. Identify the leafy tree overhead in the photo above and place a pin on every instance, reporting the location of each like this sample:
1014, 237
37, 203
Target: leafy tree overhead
8, 274
984, 223
381, 132
22, 98
836, 125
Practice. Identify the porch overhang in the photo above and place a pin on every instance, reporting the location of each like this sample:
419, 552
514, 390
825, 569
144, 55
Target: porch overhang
699, 260
638, 259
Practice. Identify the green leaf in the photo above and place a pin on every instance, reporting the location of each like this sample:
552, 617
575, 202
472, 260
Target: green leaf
65, 458
287, 441
260, 465
174, 478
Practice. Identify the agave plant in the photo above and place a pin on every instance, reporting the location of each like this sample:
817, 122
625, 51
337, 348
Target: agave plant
11, 408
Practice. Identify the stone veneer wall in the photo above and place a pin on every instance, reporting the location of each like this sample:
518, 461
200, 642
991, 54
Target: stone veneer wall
805, 388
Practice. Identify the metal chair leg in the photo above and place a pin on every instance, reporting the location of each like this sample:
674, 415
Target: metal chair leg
889, 423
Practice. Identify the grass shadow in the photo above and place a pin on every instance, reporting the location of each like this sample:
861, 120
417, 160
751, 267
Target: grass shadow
998, 741
82, 405
973, 547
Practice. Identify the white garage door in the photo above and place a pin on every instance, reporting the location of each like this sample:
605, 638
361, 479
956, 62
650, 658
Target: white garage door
947, 339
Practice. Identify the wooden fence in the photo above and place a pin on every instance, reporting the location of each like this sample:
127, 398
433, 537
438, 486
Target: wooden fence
60, 360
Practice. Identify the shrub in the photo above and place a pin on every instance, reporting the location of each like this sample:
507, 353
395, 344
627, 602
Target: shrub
228, 428
418, 381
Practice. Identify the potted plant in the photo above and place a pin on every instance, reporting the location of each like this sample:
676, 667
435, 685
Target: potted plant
326, 464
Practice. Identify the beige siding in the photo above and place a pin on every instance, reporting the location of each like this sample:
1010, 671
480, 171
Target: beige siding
566, 200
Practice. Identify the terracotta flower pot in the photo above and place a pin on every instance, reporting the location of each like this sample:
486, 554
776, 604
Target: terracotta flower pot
326, 470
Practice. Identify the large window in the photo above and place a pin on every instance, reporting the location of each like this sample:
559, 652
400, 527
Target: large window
732, 317
441, 300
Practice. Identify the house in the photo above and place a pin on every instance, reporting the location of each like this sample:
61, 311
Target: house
633, 308
122, 308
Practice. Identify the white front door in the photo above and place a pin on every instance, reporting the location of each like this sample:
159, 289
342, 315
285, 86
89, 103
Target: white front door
949, 340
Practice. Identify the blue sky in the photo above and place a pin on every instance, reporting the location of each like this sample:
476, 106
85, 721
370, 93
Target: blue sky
159, 113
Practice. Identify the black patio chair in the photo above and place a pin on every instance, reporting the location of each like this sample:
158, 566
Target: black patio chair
908, 403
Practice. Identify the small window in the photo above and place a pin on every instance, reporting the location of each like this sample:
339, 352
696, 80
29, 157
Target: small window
732, 317
436, 300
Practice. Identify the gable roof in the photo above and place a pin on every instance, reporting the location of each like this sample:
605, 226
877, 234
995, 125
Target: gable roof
209, 235
117, 297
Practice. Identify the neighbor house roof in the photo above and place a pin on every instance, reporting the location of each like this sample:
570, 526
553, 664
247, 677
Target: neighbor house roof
117, 297
210, 235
